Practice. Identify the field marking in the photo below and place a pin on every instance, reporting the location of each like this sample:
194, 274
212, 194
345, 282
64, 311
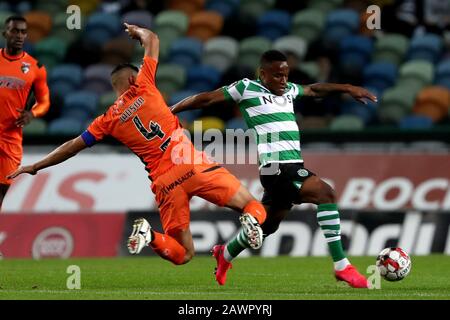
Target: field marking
376, 293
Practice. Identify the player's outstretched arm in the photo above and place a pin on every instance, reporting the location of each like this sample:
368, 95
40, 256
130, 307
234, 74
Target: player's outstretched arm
324, 89
60, 154
199, 101
148, 39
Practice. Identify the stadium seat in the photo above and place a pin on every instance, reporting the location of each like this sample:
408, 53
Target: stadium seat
138, 17
442, 76
391, 48
312, 122
68, 126
324, 5
97, 78
39, 25
380, 75
65, 78
209, 123
416, 73
366, 113
220, 52
236, 123
225, 8
346, 122
427, 47
106, 100
293, 45
101, 27
85, 101
186, 52
188, 116
170, 78
37, 126
311, 68
50, 51
202, 78
59, 28
396, 103
254, 8
355, 53
308, 24
204, 25
251, 49
416, 122
433, 102
50, 7
87, 7
274, 24
118, 50
169, 25
189, 7
339, 24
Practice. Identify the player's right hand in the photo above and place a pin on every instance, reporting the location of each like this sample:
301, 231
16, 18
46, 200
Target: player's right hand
136, 32
24, 169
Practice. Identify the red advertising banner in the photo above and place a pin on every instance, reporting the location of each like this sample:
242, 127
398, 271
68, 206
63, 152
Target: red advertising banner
380, 181
60, 235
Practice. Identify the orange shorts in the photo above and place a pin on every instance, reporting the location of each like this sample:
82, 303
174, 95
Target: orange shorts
9, 161
176, 187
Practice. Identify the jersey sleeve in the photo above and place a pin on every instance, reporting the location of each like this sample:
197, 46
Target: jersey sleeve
235, 91
298, 91
147, 72
96, 131
41, 93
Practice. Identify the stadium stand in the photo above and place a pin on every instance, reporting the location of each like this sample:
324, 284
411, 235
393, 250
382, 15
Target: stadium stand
206, 44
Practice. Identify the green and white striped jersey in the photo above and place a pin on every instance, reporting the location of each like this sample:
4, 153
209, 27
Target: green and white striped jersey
271, 116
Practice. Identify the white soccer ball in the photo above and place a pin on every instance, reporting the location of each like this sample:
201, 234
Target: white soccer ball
394, 264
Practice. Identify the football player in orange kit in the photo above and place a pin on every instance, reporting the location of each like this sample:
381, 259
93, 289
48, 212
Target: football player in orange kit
20, 75
142, 121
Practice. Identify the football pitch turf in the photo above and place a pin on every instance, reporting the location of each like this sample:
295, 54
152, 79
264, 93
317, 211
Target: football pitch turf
152, 278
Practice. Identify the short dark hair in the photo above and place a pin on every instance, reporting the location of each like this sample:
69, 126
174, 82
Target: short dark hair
271, 56
14, 18
124, 66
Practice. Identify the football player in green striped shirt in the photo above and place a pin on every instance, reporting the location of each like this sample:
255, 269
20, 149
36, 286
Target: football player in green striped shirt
267, 107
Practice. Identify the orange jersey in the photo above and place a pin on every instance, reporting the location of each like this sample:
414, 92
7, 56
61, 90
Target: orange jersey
19, 76
142, 121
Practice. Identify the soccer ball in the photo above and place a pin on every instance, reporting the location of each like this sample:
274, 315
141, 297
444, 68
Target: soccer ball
394, 264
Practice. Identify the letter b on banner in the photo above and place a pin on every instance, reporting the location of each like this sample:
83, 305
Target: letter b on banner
74, 280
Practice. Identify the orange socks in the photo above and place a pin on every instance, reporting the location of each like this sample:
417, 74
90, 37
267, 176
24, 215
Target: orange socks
168, 248
256, 209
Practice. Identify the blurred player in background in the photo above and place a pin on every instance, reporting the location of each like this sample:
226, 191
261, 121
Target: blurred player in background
20, 76
142, 121
267, 106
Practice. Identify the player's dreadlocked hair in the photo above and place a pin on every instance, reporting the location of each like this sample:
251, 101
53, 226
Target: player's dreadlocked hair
271, 56
123, 66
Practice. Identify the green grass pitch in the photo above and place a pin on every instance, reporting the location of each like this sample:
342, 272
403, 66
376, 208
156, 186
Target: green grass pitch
258, 278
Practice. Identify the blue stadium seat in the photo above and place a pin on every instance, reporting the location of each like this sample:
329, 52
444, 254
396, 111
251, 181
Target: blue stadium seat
416, 122
82, 100
339, 24
70, 126
224, 7
442, 76
97, 78
236, 123
138, 17
274, 24
65, 78
380, 75
355, 52
186, 52
426, 47
101, 27
202, 78
188, 116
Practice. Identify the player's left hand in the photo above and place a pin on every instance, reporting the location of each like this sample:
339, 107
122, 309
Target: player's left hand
24, 117
361, 94
24, 169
